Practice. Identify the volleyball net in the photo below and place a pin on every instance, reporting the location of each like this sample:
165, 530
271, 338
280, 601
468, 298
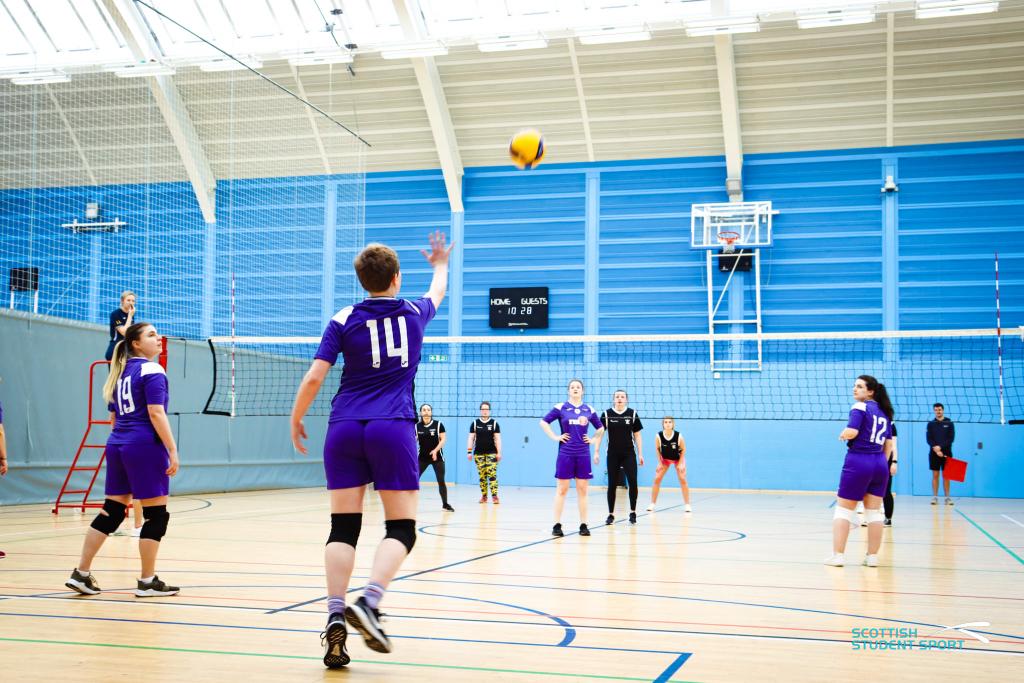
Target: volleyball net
802, 376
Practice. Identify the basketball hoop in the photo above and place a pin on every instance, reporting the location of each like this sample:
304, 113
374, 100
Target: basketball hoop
727, 238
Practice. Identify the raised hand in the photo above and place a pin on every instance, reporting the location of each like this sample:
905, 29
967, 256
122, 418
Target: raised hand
439, 252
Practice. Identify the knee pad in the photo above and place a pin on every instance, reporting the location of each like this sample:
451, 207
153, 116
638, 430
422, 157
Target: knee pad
873, 516
403, 531
108, 523
156, 522
345, 528
849, 515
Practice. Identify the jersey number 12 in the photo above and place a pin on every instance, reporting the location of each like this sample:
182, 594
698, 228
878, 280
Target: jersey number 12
878, 430
400, 351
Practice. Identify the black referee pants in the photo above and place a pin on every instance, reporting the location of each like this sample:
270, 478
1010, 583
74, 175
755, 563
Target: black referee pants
626, 461
438, 466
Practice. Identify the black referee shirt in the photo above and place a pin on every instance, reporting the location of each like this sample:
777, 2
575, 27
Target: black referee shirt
429, 435
485, 432
620, 428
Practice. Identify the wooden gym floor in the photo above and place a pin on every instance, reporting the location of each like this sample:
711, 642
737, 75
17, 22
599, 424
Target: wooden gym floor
733, 592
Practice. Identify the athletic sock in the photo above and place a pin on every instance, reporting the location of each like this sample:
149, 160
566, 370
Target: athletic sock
148, 579
84, 574
372, 594
335, 605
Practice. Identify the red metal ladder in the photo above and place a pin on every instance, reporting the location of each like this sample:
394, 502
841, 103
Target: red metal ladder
82, 446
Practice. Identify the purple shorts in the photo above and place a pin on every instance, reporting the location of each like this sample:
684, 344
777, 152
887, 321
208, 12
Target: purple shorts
385, 452
862, 474
573, 467
139, 469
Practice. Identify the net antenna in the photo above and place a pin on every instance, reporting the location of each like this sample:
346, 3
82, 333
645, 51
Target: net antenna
738, 231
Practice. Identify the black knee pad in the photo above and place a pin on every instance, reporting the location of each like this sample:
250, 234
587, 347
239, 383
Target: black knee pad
108, 523
345, 528
403, 531
156, 522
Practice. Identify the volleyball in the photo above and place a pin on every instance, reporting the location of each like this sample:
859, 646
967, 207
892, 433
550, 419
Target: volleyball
526, 148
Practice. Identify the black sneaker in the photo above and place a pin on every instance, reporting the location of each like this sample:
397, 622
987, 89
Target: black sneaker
557, 530
610, 519
154, 589
584, 531
366, 620
887, 522
632, 518
86, 585
333, 639
447, 508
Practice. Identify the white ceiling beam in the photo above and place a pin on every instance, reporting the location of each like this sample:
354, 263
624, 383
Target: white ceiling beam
890, 68
172, 107
312, 122
582, 98
429, 80
732, 135
71, 133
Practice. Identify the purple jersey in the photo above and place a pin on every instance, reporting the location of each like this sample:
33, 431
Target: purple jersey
143, 383
574, 421
380, 340
872, 425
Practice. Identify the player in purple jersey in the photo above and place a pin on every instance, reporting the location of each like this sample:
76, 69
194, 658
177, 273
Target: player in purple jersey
868, 436
574, 417
141, 456
371, 433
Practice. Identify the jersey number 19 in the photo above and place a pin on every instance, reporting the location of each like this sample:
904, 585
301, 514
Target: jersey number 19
125, 402
400, 351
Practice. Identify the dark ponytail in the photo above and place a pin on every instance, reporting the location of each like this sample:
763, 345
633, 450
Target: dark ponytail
881, 396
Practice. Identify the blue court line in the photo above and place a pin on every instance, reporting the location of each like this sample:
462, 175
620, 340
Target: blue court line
570, 632
991, 537
459, 563
832, 504
301, 630
717, 602
666, 675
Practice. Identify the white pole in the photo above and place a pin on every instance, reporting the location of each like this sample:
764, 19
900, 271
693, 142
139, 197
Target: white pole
999, 349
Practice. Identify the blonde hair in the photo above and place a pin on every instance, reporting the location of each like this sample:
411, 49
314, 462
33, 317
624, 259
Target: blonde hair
122, 350
127, 293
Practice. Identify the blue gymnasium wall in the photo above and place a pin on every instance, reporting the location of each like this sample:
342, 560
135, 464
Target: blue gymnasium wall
611, 241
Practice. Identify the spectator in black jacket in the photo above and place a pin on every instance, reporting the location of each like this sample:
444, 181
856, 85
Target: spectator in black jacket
941, 433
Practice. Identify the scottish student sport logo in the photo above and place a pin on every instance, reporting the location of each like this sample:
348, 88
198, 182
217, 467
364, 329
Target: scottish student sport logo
901, 638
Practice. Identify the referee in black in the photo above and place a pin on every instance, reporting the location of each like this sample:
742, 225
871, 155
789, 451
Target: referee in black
431, 437
623, 428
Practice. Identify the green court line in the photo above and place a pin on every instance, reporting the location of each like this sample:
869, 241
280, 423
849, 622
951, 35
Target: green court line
354, 661
991, 537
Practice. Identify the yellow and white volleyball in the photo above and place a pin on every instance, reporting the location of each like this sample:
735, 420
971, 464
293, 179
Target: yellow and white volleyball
526, 148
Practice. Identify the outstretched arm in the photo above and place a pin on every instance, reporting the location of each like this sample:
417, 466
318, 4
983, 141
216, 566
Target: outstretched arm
437, 257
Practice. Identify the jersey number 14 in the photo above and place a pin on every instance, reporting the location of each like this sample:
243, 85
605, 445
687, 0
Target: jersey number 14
400, 351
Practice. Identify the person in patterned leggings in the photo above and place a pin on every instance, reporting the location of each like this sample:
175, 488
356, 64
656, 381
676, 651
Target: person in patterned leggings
484, 446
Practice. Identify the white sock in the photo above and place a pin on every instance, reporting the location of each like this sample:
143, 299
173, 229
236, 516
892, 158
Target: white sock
86, 574
148, 579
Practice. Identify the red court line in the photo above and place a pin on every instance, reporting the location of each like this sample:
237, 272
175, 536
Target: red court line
733, 585
584, 578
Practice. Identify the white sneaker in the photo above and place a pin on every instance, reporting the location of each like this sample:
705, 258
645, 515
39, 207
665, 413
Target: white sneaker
935, 501
871, 560
650, 508
949, 501
837, 560
135, 532
687, 508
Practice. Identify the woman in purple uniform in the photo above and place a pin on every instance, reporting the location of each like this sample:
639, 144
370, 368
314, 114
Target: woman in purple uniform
371, 433
574, 417
141, 457
868, 436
